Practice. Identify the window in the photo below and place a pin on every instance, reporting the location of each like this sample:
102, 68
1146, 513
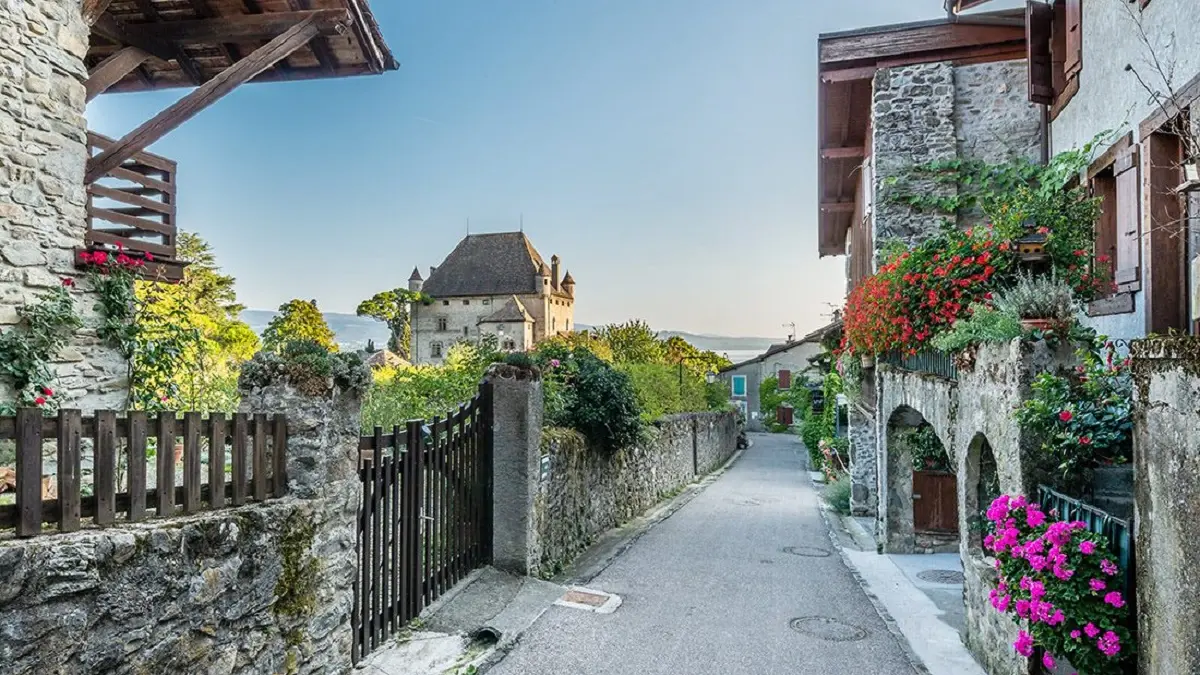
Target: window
435, 350
464, 331
466, 302
785, 379
441, 323
486, 301
510, 345
1115, 180
554, 323
738, 385
446, 303
1054, 51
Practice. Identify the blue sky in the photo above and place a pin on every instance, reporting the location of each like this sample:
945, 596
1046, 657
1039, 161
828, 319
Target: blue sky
665, 149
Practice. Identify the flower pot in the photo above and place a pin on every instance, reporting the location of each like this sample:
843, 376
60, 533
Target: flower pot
1037, 324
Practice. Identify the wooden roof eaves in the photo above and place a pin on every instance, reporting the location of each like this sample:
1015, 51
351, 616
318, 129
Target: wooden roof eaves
837, 51
371, 36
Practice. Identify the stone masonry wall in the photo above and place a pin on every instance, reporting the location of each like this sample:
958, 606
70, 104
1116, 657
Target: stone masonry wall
864, 492
265, 588
993, 118
42, 195
584, 492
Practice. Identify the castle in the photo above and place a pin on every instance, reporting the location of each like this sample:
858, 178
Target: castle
494, 284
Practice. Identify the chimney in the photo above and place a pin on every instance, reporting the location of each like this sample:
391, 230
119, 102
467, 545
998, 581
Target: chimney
554, 271
431, 270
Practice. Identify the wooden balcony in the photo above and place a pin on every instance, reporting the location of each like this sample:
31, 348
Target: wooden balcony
132, 208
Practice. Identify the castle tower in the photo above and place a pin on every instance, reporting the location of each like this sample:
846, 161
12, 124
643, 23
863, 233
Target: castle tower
415, 282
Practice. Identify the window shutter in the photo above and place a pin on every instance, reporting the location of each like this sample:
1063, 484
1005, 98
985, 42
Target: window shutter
1129, 221
787, 417
1039, 30
785, 379
1074, 29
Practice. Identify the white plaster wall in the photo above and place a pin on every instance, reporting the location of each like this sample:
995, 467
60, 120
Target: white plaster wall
1111, 99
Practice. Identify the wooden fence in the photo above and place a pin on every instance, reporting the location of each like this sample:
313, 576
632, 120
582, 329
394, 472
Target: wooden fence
246, 458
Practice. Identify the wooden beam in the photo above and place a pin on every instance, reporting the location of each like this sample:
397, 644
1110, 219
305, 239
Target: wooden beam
242, 27
848, 74
113, 69
114, 30
903, 41
186, 63
843, 153
837, 207
203, 96
92, 9
320, 46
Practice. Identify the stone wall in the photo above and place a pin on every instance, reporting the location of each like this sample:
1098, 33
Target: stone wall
265, 588
583, 492
42, 195
864, 475
1166, 442
993, 118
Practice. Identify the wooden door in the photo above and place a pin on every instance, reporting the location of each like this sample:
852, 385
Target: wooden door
935, 501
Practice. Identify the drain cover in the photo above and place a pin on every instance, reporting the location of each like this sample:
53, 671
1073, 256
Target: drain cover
826, 628
584, 598
806, 551
951, 577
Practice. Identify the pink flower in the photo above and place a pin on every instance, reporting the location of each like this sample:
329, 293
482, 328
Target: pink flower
554, 363
1048, 661
1114, 599
1075, 634
1097, 585
1023, 607
1024, 644
1110, 644
149, 257
1035, 517
1087, 547
1108, 568
1091, 630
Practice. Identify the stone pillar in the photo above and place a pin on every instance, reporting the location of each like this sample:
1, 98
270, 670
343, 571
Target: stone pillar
516, 451
1166, 443
42, 196
864, 477
322, 471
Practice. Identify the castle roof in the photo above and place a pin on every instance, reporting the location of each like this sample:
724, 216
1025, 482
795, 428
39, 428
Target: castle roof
513, 311
503, 263
415, 276
568, 279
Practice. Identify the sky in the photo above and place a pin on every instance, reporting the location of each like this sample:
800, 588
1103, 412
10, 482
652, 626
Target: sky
664, 149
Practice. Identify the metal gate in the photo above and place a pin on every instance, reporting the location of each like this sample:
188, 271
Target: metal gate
426, 516
935, 501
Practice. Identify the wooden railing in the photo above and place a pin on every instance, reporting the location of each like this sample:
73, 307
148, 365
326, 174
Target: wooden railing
245, 458
133, 207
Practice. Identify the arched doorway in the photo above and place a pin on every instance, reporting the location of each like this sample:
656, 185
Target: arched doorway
922, 487
983, 486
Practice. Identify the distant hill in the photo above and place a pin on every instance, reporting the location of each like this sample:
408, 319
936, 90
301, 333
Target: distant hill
353, 332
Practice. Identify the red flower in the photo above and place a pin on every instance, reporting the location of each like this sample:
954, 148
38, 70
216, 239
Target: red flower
120, 246
39, 401
149, 257
85, 257
1084, 440
47, 391
99, 257
123, 259
1080, 252
1065, 416
68, 282
1043, 230
1102, 258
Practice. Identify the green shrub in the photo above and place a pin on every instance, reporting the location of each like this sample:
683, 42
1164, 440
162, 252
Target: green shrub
307, 365
658, 391
602, 404
1038, 297
717, 395
985, 324
837, 493
812, 430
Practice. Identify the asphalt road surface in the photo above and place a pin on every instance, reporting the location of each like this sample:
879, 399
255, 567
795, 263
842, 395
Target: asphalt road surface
716, 589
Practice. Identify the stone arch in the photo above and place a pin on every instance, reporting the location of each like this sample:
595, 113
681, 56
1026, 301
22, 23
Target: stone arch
981, 486
899, 533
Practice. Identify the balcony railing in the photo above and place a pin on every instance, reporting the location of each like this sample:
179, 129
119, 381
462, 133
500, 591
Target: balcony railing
931, 362
133, 207
1116, 530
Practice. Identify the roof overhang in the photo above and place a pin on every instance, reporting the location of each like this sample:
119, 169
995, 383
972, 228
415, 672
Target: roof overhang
192, 42
848, 62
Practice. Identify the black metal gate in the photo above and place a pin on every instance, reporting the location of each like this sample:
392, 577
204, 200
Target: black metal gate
426, 516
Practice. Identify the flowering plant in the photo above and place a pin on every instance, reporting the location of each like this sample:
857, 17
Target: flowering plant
1083, 419
1056, 579
27, 349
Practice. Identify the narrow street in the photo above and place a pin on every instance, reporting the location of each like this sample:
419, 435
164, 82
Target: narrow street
715, 589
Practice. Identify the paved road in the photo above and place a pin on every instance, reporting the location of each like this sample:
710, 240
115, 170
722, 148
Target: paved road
710, 590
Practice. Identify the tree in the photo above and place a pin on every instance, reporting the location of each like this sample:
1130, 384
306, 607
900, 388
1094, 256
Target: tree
632, 342
298, 320
189, 339
697, 361
392, 308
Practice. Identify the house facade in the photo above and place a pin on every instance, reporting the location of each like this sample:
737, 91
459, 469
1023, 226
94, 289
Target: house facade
791, 363
491, 284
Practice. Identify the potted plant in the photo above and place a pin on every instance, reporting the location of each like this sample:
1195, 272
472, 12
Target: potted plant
1040, 302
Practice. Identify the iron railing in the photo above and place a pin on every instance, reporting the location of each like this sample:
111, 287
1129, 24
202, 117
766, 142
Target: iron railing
1118, 531
932, 362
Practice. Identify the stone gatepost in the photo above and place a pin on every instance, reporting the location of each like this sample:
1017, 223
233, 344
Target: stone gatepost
864, 474
322, 472
1166, 445
43, 151
516, 454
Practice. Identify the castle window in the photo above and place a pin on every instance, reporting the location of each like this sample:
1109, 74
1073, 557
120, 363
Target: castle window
441, 323
464, 331
509, 345
435, 350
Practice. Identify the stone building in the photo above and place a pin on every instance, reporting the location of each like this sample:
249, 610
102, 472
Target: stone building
790, 363
496, 284
64, 190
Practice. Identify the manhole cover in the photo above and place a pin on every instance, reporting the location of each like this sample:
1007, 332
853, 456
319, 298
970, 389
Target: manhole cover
806, 551
825, 628
590, 599
953, 577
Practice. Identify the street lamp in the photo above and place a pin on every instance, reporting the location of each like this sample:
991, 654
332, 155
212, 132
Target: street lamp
685, 357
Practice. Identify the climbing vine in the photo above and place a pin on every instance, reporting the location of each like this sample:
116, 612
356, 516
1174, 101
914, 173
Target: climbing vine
27, 348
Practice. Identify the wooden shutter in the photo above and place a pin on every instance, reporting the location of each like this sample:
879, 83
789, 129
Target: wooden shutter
1039, 30
783, 415
1104, 187
1073, 60
785, 379
1129, 221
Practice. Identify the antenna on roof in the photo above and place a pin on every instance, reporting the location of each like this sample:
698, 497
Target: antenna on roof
522, 222
468, 226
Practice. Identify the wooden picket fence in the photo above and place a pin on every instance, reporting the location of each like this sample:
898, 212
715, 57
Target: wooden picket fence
246, 457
